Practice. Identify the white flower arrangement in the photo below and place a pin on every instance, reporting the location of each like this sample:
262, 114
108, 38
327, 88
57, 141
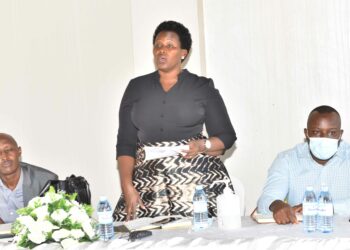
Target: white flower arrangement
56, 217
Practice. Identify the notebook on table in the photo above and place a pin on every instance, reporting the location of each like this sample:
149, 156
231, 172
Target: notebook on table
160, 222
5, 232
268, 218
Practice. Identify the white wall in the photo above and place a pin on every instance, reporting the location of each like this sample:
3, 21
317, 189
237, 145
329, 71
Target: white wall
63, 68
273, 62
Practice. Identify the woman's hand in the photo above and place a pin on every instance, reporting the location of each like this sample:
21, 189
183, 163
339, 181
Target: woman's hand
132, 202
198, 147
195, 147
131, 196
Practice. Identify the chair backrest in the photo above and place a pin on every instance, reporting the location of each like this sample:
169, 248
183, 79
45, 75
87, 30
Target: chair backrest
239, 190
72, 184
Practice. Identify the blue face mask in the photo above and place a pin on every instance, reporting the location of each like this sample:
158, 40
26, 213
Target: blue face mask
323, 148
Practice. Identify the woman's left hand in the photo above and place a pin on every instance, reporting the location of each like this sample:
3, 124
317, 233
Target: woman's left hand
195, 147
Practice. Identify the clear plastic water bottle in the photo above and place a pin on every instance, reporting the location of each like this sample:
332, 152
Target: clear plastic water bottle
325, 211
200, 209
309, 210
105, 219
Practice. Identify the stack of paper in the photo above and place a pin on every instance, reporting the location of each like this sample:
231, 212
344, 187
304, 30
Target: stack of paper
160, 222
152, 153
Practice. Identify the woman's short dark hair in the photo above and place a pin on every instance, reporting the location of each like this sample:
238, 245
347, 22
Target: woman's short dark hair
179, 29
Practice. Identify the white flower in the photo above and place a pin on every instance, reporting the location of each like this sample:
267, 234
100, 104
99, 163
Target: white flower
23, 231
26, 220
77, 233
52, 197
45, 200
88, 229
17, 238
69, 242
42, 226
36, 237
35, 202
41, 212
75, 203
59, 215
60, 234
34, 226
47, 226
78, 215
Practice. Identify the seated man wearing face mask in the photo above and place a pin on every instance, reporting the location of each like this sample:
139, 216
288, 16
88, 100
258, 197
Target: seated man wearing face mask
324, 159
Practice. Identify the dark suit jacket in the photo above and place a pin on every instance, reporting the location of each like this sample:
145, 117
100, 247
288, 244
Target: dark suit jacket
34, 179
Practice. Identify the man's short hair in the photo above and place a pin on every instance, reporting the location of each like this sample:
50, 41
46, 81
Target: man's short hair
324, 109
8, 137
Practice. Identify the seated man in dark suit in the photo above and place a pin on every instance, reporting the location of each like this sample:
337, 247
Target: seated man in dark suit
19, 181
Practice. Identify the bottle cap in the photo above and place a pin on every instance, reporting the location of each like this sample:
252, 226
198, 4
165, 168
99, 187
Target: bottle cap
324, 188
227, 190
199, 187
103, 198
309, 188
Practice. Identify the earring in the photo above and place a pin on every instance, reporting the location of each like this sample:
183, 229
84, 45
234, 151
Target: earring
183, 57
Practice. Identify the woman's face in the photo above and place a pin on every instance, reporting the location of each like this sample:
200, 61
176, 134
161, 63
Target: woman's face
167, 51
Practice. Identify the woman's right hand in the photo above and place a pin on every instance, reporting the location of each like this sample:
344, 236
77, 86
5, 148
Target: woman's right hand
132, 202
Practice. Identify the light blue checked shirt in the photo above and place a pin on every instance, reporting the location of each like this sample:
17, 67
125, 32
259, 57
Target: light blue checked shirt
10, 200
293, 170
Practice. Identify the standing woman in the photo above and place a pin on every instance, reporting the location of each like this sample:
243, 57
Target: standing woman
169, 108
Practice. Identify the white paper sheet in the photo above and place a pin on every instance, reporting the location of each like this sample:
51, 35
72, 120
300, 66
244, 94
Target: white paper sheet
152, 153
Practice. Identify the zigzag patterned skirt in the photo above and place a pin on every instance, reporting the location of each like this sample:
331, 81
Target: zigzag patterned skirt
166, 186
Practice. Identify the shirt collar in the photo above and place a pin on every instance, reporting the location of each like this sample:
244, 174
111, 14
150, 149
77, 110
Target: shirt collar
2, 185
182, 74
19, 184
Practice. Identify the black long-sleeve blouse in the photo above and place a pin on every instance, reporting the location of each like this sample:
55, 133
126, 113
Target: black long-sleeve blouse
149, 114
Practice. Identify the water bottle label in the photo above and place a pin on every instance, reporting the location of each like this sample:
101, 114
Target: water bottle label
105, 217
200, 206
310, 208
325, 209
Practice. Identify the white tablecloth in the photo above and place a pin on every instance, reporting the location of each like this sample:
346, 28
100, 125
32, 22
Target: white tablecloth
250, 236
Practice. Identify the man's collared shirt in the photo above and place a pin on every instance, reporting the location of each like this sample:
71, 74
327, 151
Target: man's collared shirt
10, 200
295, 169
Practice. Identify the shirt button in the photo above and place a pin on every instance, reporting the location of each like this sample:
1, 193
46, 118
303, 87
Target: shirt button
164, 101
11, 213
161, 115
161, 130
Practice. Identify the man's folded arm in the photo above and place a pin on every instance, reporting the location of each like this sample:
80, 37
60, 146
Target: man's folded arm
276, 187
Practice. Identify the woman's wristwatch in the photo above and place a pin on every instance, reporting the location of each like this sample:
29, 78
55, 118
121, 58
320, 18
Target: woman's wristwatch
207, 144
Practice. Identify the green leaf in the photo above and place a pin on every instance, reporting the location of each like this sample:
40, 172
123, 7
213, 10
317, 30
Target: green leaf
89, 209
72, 197
51, 190
24, 211
16, 227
